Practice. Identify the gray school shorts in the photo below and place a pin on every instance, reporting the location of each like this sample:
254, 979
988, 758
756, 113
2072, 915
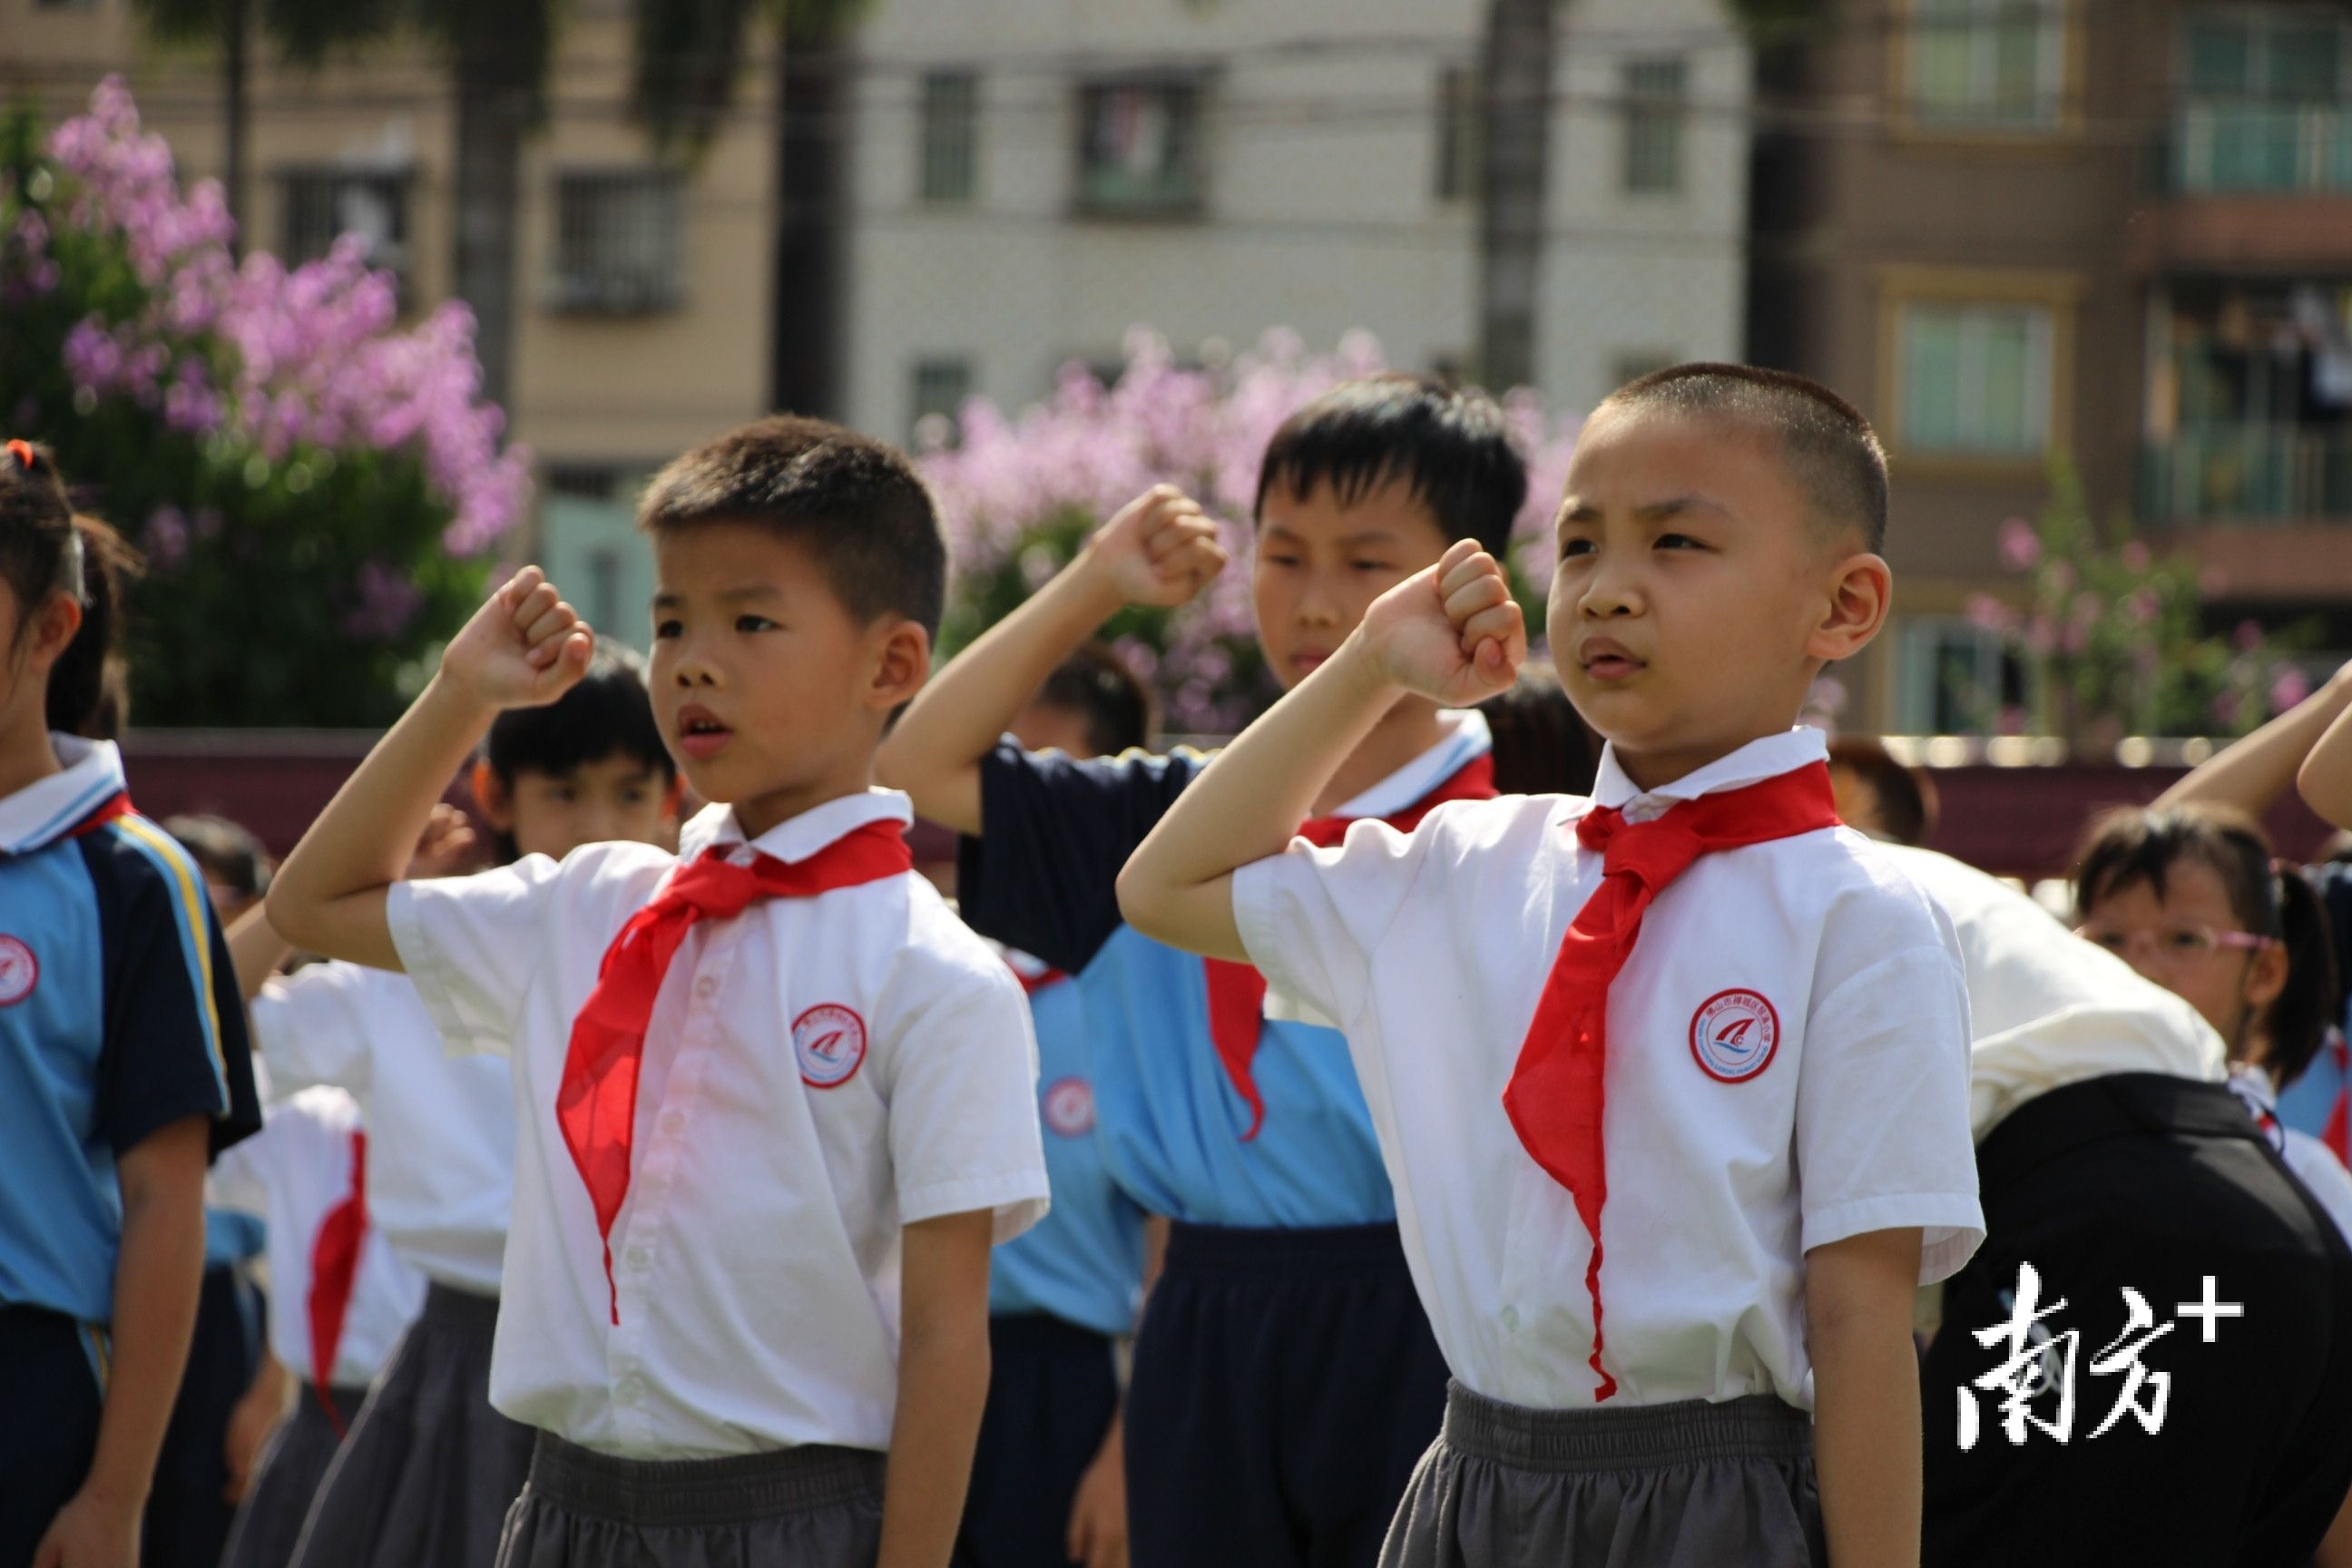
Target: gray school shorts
1686, 1485
816, 1506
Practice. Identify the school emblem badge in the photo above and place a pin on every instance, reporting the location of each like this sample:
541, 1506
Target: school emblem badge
1069, 1106
19, 971
830, 1041
1733, 1036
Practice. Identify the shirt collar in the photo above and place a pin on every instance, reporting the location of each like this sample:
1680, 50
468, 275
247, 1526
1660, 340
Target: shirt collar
796, 838
1752, 763
48, 809
1466, 740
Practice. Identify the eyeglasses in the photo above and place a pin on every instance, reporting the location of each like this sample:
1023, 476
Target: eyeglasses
2185, 943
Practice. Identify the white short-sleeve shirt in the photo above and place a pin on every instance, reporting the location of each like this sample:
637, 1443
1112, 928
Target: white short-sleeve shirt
818, 1073
442, 1127
1726, 1163
295, 1173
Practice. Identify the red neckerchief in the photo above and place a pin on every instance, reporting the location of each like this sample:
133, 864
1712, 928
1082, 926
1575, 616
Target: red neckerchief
334, 1267
115, 805
596, 1101
2336, 1134
1557, 1093
1237, 991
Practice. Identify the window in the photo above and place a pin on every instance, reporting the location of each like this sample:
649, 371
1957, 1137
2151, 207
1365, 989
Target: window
1653, 126
1953, 678
320, 205
1461, 133
941, 387
1988, 64
2265, 103
617, 242
951, 134
1140, 147
1975, 378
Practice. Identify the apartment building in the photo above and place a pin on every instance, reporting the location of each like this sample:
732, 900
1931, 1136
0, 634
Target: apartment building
1033, 177
2117, 232
643, 280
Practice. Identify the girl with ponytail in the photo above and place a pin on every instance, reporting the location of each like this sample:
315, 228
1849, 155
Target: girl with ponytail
122, 1057
2190, 896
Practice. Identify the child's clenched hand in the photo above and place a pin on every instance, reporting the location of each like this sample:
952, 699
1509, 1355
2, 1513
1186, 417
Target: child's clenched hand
1453, 633
524, 648
1160, 550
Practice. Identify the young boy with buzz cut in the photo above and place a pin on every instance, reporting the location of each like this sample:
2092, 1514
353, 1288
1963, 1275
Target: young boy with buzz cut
1687, 1051
1285, 1379
774, 1101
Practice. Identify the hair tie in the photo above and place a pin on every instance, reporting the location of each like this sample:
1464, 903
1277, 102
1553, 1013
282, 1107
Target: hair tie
23, 451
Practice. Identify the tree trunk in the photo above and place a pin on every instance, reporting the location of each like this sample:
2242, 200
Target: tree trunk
493, 113
237, 21
1515, 110
812, 192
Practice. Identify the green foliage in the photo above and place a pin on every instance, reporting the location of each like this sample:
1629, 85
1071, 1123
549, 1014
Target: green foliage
2112, 635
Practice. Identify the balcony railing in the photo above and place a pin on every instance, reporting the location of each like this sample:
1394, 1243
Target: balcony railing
2248, 473
2221, 147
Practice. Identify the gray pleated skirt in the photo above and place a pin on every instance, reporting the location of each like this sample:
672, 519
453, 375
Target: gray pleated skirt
429, 1470
814, 1507
270, 1521
1687, 1485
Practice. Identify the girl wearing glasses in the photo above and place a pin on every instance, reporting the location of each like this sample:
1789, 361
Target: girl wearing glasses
2189, 895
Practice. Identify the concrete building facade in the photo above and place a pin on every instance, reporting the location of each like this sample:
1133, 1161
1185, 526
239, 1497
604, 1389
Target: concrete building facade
1034, 177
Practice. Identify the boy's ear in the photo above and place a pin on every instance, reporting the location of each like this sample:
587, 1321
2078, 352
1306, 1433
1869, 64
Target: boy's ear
490, 793
2266, 976
1861, 591
901, 665
674, 801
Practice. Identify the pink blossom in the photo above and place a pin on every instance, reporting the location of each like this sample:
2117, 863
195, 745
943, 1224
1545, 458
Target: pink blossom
2289, 689
1089, 449
316, 356
2248, 637
1990, 615
166, 538
2134, 555
2021, 547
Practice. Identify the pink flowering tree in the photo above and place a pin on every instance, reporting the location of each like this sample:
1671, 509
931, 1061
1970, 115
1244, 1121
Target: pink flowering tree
315, 486
2111, 636
1019, 494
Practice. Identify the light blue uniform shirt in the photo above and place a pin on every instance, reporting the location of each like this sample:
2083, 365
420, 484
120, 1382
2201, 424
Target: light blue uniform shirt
1042, 877
1083, 1263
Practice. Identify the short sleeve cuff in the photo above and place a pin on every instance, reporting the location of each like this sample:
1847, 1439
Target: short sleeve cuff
1258, 905
408, 911
1015, 1200
1951, 1226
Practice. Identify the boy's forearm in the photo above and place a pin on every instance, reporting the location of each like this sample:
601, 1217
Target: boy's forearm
1866, 1435
966, 707
1866, 1442
328, 895
2325, 778
1247, 805
2253, 772
257, 950
158, 1276
943, 1386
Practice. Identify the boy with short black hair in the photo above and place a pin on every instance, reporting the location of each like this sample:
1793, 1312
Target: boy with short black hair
1693, 1001
729, 1308
1285, 1379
